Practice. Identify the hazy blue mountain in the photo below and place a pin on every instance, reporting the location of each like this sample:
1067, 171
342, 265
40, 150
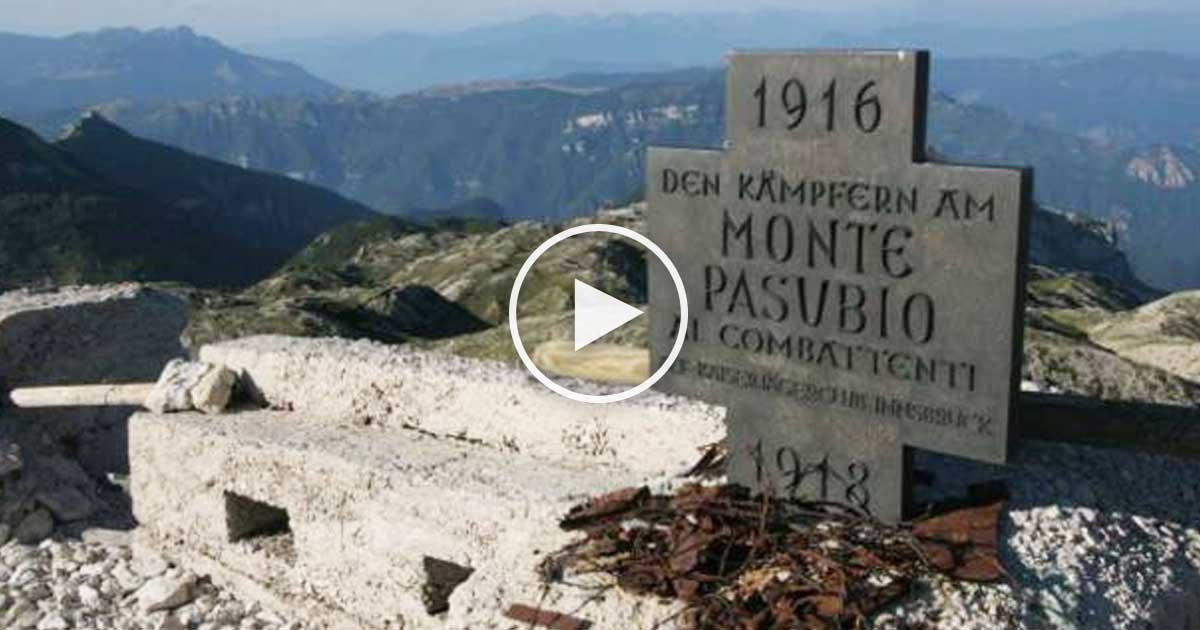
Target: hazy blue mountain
545, 46
42, 73
1120, 98
1173, 32
103, 205
552, 45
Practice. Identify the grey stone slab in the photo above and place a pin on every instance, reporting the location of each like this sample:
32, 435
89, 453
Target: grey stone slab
847, 299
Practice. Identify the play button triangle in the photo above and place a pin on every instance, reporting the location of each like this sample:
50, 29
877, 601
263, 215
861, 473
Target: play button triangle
598, 313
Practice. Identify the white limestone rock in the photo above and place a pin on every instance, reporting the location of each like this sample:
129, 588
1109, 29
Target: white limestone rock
166, 592
172, 392
89, 596
107, 537
188, 385
53, 621
148, 563
212, 393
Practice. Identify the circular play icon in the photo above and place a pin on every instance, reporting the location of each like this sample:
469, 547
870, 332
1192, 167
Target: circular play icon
597, 313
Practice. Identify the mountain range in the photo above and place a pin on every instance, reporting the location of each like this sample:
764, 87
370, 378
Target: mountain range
551, 45
125, 64
1116, 96
102, 205
553, 149
1112, 135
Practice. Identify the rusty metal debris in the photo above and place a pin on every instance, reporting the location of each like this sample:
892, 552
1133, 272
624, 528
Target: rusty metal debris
755, 562
541, 618
962, 543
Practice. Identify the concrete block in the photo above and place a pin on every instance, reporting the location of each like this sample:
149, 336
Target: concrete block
370, 384
117, 333
332, 523
96, 334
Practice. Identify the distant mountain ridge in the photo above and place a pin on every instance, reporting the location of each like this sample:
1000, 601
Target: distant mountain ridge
550, 44
125, 64
103, 205
1122, 98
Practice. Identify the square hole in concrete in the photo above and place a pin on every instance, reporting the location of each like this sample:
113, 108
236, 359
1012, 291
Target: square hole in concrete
266, 527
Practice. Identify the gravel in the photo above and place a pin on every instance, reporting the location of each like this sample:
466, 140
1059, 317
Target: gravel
1092, 538
72, 584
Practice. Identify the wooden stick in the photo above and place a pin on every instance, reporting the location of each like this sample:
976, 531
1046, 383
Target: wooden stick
125, 394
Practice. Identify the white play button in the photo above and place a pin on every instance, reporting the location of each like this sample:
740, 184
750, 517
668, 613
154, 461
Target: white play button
598, 313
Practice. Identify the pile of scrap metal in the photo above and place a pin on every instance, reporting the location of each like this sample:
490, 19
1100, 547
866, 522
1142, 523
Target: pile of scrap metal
754, 562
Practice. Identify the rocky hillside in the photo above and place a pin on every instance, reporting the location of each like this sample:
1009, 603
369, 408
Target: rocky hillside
103, 205
1164, 333
377, 279
85, 69
555, 150
373, 280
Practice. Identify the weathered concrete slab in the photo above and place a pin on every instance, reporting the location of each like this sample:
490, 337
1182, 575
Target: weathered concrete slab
365, 383
94, 334
382, 456
364, 507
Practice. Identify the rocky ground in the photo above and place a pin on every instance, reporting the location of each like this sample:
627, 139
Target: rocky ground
1092, 538
96, 582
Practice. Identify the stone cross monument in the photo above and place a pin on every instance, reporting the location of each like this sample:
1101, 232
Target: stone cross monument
850, 301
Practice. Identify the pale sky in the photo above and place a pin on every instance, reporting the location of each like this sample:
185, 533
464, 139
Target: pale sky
263, 20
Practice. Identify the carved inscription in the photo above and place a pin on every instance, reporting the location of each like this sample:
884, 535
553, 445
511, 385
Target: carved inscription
793, 102
815, 479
